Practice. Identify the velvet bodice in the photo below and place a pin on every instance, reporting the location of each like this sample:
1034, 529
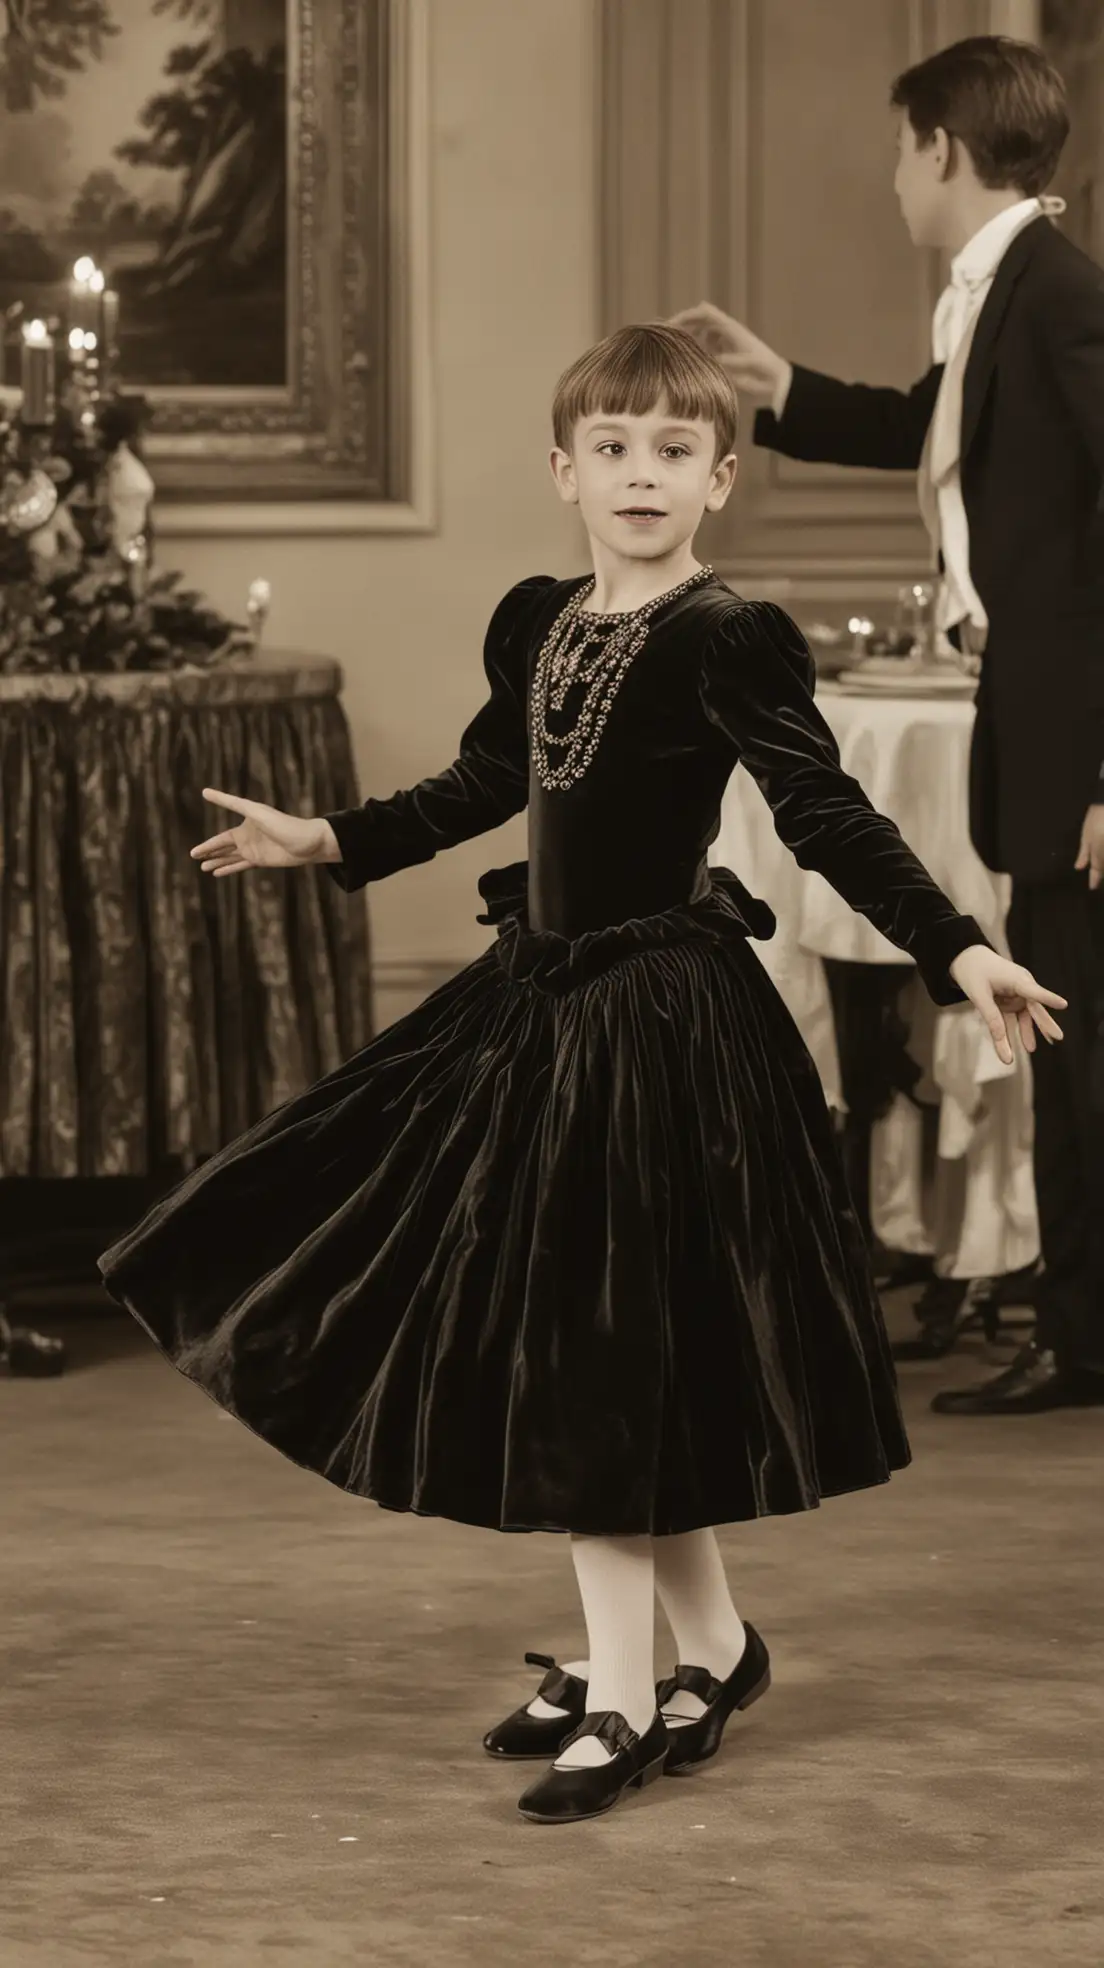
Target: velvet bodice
720, 682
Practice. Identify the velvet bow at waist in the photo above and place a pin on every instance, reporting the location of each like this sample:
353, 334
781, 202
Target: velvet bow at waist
556, 964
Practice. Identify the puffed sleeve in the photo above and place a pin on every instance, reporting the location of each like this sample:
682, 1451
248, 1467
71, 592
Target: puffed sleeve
486, 784
758, 678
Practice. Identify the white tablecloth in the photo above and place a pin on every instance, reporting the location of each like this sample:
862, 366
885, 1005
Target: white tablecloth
911, 756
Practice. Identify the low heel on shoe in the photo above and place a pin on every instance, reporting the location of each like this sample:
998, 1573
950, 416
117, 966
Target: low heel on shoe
753, 1694
649, 1773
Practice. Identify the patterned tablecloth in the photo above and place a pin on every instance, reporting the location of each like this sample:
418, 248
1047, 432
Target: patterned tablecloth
149, 1013
910, 755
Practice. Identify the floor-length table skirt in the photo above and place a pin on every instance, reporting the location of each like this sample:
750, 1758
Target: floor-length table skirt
149, 1013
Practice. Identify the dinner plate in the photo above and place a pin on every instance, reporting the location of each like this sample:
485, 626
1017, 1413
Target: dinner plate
909, 683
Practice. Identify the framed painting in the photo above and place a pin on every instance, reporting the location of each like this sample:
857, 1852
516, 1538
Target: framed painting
247, 176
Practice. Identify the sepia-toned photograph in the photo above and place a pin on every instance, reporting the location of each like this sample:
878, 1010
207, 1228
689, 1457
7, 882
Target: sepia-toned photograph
552, 983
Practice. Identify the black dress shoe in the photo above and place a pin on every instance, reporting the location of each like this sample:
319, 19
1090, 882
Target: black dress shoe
694, 1742
1033, 1384
564, 1796
523, 1735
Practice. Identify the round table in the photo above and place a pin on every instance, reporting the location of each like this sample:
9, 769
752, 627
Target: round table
150, 1014
910, 754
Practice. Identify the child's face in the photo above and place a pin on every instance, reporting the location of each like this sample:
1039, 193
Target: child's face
926, 194
665, 463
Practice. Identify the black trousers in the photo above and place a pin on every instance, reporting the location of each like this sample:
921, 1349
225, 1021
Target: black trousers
1056, 928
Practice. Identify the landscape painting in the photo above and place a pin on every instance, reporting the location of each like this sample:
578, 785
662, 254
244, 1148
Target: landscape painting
241, 172
152, 135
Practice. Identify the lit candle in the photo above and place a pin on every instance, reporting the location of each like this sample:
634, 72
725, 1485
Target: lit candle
257, 607
109, 312
39, 402
136, 555
91, 361
83, 299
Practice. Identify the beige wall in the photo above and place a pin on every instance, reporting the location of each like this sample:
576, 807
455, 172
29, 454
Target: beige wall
512, 301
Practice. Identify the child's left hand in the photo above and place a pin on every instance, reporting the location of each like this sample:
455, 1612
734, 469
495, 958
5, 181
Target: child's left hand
1007, 997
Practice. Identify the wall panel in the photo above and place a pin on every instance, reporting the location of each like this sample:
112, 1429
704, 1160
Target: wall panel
747, 154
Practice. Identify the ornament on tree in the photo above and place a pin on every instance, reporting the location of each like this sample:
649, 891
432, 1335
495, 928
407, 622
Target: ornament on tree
57, 546
28, 500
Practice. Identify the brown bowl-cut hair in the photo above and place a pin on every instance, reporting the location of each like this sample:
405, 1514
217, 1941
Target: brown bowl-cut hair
638, 368
1002, 99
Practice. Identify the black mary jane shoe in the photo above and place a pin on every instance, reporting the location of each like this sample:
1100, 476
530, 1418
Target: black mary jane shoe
563, 1796
523, 1735
695, 1742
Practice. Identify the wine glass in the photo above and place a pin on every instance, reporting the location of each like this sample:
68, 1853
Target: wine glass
916, 621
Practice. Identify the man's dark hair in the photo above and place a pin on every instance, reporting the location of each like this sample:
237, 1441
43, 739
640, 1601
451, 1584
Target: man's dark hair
1002, 99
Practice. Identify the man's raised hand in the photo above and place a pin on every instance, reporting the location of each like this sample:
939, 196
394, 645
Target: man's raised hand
752, 365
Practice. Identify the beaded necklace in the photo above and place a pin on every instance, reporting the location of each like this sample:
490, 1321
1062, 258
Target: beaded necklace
563, 660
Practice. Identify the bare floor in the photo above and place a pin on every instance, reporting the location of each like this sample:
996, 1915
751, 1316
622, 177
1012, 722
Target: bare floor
242, 1712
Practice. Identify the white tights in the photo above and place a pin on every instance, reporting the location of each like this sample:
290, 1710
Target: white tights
619, 1579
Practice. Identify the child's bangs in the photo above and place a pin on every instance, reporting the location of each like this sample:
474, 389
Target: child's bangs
638, 372
632, 388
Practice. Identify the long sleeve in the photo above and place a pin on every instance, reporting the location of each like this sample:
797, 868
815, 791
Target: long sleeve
758, 677
487, 783
827, 422
1070, 319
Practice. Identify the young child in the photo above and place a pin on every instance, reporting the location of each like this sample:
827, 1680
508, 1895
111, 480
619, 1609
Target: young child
569, 1248
1006, 432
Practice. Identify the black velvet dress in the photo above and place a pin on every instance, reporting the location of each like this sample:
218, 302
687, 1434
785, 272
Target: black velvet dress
569, 1247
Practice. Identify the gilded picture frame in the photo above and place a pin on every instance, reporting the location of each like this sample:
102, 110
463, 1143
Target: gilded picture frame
259, 203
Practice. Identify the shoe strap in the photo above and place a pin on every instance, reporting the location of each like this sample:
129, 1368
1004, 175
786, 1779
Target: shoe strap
693, 1680
610, 1728
560, 1689
698, 1680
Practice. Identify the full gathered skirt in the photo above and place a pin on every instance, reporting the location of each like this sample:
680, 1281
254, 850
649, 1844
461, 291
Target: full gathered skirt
569, 1248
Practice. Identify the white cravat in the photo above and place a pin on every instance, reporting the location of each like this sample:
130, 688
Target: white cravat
953, 326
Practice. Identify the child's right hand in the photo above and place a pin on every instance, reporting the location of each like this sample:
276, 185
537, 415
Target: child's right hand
266, 838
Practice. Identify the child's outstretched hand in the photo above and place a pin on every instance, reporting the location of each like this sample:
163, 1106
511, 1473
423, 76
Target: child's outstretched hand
1007, 997
266, 838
